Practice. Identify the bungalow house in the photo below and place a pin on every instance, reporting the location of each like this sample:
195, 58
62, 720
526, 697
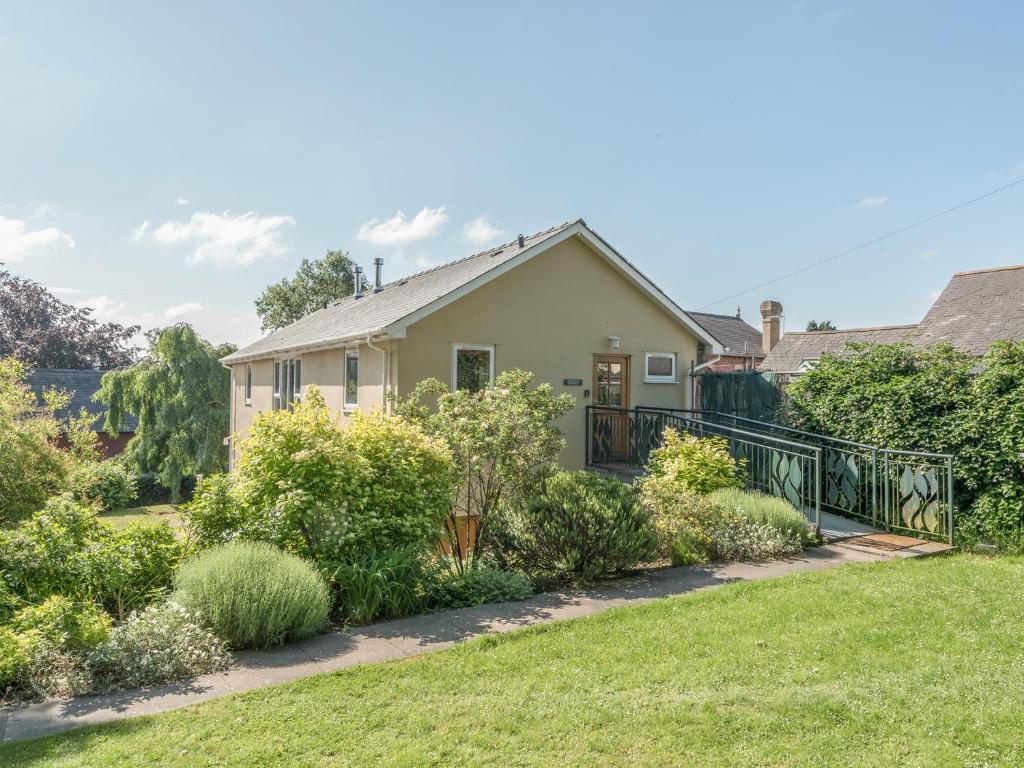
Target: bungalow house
563, 304
83, 384
975, 309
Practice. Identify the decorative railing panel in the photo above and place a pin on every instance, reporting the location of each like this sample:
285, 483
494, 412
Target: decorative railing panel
904, 491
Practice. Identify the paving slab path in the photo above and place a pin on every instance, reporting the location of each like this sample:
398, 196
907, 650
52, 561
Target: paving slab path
405, 637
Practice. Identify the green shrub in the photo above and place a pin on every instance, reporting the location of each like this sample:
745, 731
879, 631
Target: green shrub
15, 658
216, 515
688, 464
254, 595
772, 511
326, 491
378, 585
581, 526
65, 550
476, 585
689, 548
55, 670
51, 552
106, 484
134, 566
64, 622
158, 645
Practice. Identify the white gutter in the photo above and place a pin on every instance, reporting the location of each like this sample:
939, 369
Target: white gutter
313, 347
385, 364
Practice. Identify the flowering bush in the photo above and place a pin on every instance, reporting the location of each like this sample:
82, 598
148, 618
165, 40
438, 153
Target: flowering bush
254, 595
502, 439
326, 491
684, 463
106, 484
579, 526
157, 645
773, 511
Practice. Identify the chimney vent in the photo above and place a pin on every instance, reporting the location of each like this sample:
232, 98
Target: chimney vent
738, 314
378, 265
771, 324
522, 241
358, 292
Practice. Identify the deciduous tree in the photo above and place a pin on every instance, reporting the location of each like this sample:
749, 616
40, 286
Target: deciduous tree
316, 283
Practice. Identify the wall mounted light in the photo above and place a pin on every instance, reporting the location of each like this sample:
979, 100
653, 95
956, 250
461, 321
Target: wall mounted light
613, 342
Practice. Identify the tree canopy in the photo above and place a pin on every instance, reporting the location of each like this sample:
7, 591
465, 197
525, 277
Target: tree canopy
181, 395
317, 282
823, 325
39, 328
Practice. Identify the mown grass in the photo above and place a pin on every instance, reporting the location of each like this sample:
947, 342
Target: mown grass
152, 513
910, 663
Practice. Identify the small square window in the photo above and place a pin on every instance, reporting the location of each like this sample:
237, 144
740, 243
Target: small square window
472, 367
660, 367
351, 378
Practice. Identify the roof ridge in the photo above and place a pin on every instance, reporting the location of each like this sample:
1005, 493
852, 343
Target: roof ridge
491, 250
988, 269
715, 314
853, 330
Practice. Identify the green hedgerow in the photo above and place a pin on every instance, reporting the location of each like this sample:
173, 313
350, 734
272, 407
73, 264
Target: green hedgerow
254, 595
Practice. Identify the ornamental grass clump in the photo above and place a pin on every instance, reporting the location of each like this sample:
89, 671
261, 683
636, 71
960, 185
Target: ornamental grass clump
253, 595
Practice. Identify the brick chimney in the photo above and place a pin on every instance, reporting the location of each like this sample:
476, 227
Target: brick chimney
771, 324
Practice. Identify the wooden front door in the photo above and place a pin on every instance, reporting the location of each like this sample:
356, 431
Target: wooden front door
611, 388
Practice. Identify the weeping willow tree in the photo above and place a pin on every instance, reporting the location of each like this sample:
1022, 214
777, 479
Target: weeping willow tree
181, 395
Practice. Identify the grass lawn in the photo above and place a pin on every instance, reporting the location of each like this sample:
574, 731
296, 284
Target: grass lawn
154, 513
909, 663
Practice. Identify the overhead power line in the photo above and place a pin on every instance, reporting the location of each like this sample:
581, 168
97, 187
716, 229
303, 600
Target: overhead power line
869, 243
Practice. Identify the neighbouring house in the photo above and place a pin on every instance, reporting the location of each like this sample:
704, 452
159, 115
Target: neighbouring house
83, 384
563, 304
975, 309
741, 343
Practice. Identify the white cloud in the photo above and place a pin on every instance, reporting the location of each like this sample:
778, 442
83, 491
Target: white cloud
223, 238
398, 230
872, 202
104, 308
17, 241
69, 291
181, 201
182, 310
480, 231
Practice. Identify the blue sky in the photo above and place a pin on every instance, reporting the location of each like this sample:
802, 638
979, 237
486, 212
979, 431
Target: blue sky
167, 162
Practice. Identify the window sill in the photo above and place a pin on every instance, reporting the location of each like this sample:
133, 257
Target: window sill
661, 381
248, 403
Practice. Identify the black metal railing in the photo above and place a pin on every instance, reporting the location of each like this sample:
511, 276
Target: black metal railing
906, 491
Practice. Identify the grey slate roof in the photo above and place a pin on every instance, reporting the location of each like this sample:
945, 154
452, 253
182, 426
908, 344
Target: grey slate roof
84, 384
796, 347
351, 317
734, 334
977, 308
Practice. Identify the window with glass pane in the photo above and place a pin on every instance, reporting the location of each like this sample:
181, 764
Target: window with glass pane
351, 378
473, 368
661, 367
248, 383
277, 386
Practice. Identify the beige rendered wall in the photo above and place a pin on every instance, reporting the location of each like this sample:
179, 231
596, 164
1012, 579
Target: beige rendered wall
325, 368
550, 316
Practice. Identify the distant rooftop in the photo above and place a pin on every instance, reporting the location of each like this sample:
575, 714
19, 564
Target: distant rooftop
84, 384
736, 336
975, 309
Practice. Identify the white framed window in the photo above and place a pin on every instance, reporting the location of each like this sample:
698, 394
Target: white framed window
248, 383
660, 367
287, 382
351, 379
472, 366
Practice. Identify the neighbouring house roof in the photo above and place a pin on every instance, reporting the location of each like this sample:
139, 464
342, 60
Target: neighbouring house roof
795, 349
975, 309
736, 336
84, 384
404, 301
